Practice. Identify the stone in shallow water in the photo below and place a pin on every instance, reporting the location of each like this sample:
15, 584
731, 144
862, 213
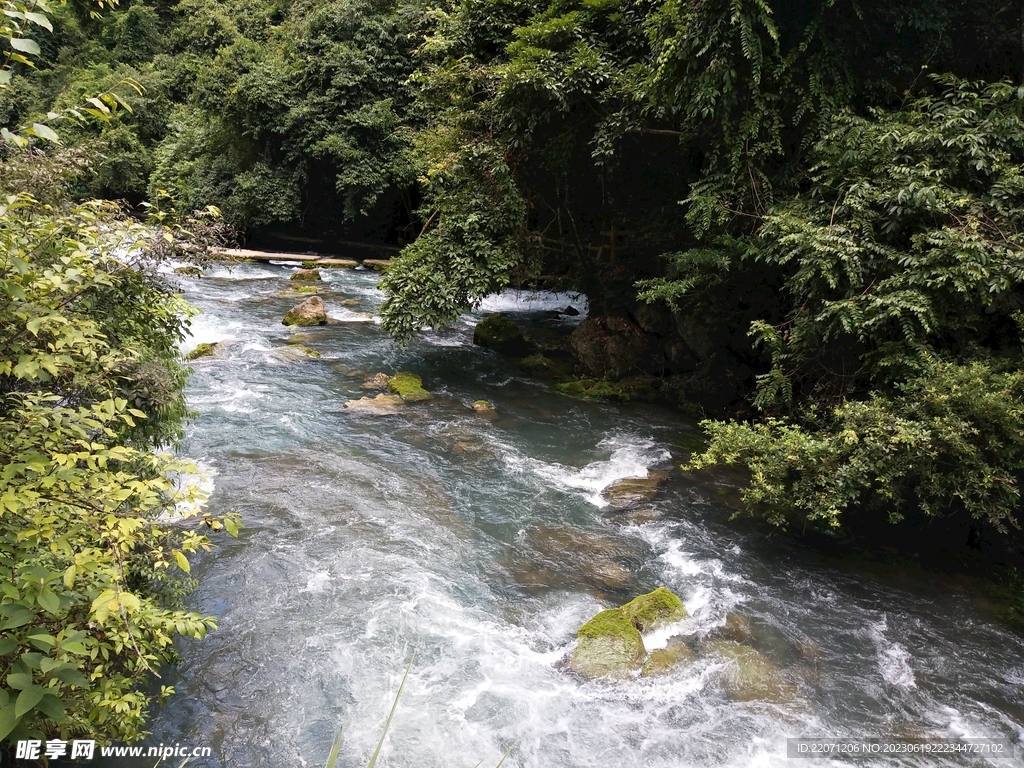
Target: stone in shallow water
675, 655
610, 644
306, 274
377, 381
634, 490
409, 387
500, 333
203, 350
294, 353
736, 628
309, 312
484, 409
749, 674
381, 405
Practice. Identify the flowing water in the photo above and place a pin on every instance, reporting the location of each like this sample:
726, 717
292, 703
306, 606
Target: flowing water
483, 544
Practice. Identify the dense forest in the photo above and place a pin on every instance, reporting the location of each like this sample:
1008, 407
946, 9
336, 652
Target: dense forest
803, 219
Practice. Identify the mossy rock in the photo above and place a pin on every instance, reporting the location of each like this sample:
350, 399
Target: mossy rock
654, 609
500, 333
349, 302
542, 367
188, 271
611, 645
484, 409
306, 275
665, 660
294, 353
607, 646
202, 350
310, 312
627, 390
312, 264
749, 674
307, 351
377, 265
409, 387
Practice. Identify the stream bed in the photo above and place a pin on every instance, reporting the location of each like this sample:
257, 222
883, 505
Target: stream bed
483, 544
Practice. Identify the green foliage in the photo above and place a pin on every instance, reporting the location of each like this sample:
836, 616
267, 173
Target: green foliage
90, 538
950, 440
898, 356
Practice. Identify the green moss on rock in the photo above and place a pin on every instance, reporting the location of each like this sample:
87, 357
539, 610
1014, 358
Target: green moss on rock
409, 386
654, 609
611, 645
626, 390
188, 271
306, 274
500, 333
202, 350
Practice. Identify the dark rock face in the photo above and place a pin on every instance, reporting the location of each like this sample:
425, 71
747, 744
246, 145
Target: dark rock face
615, 347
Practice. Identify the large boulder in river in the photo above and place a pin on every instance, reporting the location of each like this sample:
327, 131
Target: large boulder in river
306, 274
611, 644
309, 312
500, 333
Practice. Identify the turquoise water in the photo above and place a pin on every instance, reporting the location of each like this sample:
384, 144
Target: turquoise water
484, 544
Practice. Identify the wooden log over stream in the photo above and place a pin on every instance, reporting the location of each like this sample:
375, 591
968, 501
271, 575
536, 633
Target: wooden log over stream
312, 260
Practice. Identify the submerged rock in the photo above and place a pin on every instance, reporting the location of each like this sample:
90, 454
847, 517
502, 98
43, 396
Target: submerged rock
665, 660
409, 387
306, 274
188, 271
377, 265
736, 628
203, 350
293, 353
484, 409
381, 405
749, 674
500, 333
377, 381
543, 367
632, 491
309, 312
611, 645
349, 302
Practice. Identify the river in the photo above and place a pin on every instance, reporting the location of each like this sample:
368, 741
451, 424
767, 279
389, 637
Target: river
482, 545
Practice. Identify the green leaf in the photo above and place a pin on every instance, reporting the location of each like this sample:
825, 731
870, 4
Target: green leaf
8, 720
17, 616
182, 561
5, 76
72, 676
42, 640
28, 699
25, 45
7, 645
49, 601
40, 19
19, 681
52, 707
45, 132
